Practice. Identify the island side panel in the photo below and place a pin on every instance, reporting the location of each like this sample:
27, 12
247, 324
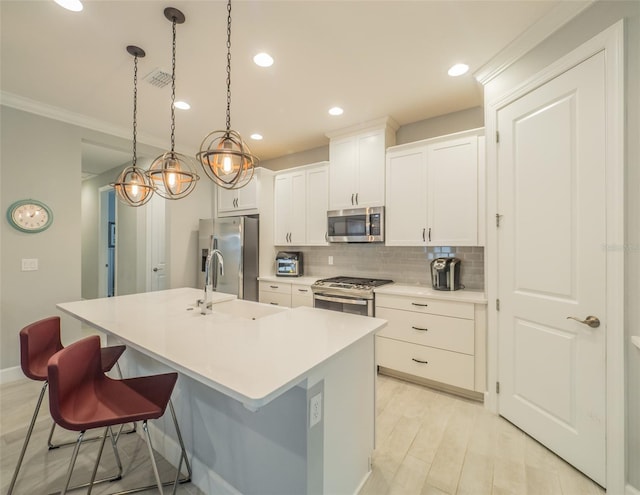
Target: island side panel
348, 416
232, 449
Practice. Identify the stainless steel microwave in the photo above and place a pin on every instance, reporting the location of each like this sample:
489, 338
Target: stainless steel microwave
356, 225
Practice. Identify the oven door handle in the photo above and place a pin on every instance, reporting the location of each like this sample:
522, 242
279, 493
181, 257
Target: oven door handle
344, 300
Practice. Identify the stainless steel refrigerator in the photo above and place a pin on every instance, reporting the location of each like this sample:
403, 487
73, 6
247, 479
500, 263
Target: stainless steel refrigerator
237, 239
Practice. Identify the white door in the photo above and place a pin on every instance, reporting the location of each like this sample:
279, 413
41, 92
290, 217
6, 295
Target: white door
371, 162
317, 205
551, 238
297, 231
156, 244
282, 208
343, 173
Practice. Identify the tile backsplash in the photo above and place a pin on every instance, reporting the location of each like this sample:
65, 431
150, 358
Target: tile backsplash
408, 265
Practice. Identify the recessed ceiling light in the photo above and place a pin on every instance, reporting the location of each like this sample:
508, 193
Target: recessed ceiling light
336, 111
458, 70
73, 5
256, 137
263, 60
182, 105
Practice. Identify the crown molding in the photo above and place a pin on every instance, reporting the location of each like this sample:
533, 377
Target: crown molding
56, 113
560, 15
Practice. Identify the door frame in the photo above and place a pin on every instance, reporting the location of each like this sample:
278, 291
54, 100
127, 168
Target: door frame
611, 41
103, 256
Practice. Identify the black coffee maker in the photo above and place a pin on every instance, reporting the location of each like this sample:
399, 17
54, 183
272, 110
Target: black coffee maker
445, 274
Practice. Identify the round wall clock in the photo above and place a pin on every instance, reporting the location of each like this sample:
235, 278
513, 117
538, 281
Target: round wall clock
30, 216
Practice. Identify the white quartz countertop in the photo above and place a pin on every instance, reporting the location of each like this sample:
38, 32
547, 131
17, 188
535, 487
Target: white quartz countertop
289, 280
253, 361
463, 295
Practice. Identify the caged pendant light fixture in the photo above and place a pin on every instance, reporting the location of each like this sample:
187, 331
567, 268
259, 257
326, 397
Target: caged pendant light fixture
172, 174
224, 156
133, 186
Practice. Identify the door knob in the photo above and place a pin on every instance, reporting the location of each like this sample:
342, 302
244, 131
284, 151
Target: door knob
592, 321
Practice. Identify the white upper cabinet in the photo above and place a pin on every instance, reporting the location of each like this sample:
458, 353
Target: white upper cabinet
357, 165
435, 192
317, 204
246, 200
300, 206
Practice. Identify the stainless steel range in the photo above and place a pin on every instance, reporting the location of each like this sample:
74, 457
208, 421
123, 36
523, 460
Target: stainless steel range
347, 294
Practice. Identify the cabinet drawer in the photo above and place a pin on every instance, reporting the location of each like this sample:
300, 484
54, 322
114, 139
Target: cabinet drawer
280, 287
275, 298
443, 332
442, 366
426, 305
301, 295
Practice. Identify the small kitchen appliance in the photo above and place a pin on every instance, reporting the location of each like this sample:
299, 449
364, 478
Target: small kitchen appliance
289, 264
445, 274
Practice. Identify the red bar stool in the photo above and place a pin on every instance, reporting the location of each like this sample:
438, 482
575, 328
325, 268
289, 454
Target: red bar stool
82, 397
38, 342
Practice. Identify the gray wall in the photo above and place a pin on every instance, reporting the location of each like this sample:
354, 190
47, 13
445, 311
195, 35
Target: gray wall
41, 158
588, 24
424, 129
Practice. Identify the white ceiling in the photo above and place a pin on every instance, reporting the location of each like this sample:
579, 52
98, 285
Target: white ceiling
373, 58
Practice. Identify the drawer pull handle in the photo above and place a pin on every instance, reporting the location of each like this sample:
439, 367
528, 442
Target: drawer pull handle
275, 304
419, 361
419, 304
421, 329
274, 286
303, 290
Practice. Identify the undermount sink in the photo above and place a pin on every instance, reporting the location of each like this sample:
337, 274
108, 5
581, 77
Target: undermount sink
246, 309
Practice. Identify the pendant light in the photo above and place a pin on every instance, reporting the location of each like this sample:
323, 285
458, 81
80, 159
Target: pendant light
133, 186
172, 174
224, 156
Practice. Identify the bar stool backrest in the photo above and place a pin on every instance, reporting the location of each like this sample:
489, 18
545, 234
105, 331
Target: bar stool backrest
38, 342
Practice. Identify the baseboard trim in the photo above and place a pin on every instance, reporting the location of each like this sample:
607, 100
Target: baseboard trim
442, 387
8, 375
629, 490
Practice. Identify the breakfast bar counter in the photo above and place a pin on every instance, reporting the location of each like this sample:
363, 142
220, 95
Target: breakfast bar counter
273, 400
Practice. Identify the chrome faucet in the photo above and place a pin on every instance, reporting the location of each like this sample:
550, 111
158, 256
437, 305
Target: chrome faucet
211, 278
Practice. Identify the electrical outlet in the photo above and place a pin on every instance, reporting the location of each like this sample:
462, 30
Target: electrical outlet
315, 409
29, 264
331, 260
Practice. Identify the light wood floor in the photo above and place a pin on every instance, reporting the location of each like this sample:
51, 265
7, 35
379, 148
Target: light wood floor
427, 443
431, 443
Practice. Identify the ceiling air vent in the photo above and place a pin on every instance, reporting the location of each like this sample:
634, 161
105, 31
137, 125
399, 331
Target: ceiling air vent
158, 78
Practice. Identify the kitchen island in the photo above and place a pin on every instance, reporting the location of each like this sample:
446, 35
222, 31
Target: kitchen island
270, 400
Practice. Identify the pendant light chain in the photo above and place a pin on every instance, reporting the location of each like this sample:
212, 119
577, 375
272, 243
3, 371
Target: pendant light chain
173, 89
228, 65
135, 108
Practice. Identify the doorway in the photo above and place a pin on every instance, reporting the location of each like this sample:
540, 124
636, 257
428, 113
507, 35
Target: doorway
557, 327
107, 243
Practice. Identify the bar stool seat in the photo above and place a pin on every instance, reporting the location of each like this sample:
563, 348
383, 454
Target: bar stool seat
38, 342
82, 397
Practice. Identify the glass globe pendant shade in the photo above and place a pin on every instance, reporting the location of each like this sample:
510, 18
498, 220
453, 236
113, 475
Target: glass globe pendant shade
226, 159
173, 175
133, 187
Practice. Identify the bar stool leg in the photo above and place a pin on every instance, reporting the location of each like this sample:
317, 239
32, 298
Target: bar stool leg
95, 467
145, 427
27, 438
74, 456
184, 452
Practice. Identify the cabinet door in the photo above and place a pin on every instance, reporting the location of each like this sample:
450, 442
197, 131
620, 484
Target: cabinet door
453, 192
248, 195
301, 295
297, 224
226, 199
282, 208
406, 205
343, 173
371, 160
317, 205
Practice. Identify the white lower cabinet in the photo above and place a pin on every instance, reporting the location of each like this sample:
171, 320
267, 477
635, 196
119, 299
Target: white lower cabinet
441, 341
285, 293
